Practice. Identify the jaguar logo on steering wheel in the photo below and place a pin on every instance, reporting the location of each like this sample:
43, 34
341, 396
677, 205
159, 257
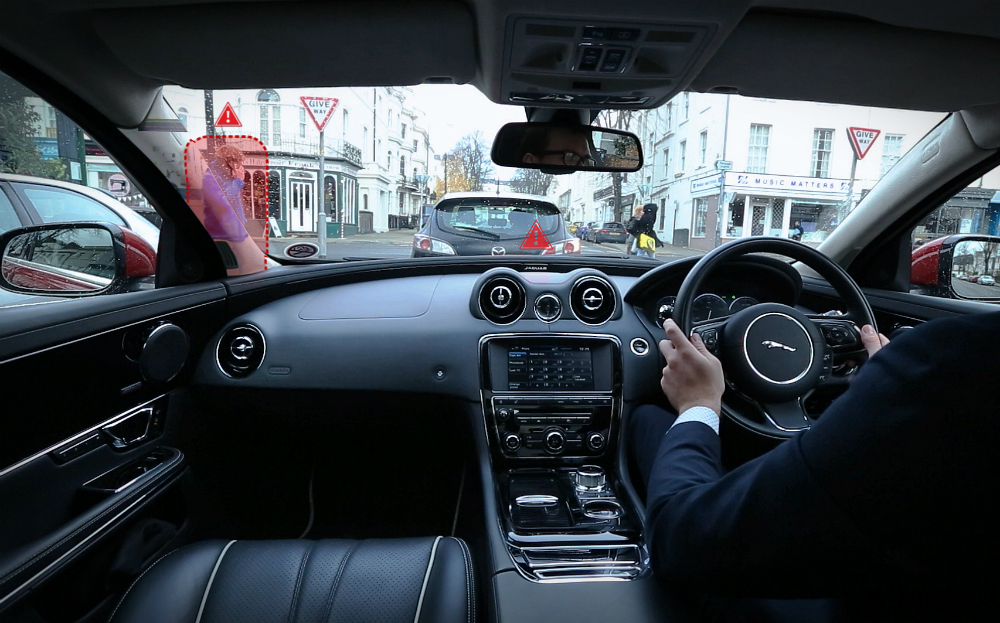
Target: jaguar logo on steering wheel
772, 344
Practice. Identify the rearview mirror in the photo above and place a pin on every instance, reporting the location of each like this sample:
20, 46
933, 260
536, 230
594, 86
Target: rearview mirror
962, 266
74, 259
561, 148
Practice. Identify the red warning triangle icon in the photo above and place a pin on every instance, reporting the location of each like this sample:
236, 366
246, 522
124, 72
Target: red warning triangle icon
535, 239
228, 118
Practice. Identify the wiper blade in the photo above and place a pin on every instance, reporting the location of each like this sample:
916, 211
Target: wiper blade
477, 230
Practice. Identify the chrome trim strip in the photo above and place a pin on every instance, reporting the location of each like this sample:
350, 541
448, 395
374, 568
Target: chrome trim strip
114, 420
812, 351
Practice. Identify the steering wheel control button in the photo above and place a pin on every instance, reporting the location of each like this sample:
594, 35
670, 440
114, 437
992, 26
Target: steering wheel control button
555, 441
639, 347
548, 308
710, 337
839, 335
511, 442
595, 441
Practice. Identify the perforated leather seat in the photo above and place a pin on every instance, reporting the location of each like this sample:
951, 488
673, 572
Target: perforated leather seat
388, 580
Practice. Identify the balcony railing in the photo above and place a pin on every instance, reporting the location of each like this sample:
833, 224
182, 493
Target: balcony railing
408, 182
334, 148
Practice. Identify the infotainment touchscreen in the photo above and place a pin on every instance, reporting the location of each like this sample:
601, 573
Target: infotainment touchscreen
550, 368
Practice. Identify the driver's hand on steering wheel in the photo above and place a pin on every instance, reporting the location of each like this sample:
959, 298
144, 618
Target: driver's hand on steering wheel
873, 342
693, 376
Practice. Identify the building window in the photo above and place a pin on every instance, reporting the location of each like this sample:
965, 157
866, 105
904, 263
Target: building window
364, 141
703, 145
822, 148
670, 116
686, 105
390, 118
302, 123
276, 124
345, 123
415, 143
684, 146
700, 217
364, 200
182, 116
760, 135
267, 101
388, 160
663, 212
402, 131
892, 151
402, 165
666, 163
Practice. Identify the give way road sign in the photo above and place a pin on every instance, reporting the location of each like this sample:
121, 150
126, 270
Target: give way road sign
862, 139
320, 109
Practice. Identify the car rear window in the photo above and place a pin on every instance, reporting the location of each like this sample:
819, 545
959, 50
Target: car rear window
496, 220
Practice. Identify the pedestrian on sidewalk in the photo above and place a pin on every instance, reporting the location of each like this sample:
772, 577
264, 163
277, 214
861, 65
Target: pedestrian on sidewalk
645, 234
633, 236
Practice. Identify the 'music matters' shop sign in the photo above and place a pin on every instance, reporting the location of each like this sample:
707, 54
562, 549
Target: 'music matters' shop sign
786, 185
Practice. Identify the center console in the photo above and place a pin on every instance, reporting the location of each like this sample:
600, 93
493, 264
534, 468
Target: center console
552, 407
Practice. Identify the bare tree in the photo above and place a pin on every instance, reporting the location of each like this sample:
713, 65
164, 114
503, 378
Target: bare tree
473, 157
617, 120
531, 182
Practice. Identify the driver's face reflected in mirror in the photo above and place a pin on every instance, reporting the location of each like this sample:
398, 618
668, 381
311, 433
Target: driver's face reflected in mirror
565, 148
557, 146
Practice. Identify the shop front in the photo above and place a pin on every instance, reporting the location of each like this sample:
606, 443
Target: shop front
771, 205
293, 201
704, 211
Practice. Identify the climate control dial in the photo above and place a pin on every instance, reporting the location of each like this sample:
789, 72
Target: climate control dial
555, 441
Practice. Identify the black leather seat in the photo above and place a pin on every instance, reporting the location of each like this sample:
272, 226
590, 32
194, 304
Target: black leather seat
386, 580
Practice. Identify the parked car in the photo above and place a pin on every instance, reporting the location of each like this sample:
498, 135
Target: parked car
482, 223
608, 232
29, 200
574, 227
584, 230
986, 280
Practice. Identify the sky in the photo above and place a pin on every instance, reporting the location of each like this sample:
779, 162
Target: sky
453, 111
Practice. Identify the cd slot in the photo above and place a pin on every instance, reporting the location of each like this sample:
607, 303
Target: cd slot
561, 419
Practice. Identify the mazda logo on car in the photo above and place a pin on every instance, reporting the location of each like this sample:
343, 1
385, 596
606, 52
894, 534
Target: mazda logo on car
499, 251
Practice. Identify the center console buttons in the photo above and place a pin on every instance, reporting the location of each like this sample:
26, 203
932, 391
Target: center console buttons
511, 442
555, 441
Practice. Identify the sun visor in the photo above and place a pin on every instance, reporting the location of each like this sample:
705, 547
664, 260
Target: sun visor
235, 45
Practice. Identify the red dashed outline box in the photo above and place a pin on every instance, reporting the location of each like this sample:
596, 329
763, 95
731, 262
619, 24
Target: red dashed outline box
267, 177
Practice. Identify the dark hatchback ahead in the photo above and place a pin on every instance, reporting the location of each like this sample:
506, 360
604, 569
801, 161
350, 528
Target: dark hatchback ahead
489, 224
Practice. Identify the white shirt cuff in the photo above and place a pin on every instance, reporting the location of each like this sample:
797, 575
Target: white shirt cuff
699, 414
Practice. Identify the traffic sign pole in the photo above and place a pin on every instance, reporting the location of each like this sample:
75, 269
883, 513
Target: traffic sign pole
321, 227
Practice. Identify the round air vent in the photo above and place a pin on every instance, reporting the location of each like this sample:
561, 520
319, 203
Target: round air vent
241, 351
501, 299
593, 300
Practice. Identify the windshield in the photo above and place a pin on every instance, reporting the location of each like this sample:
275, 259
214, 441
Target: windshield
716, 168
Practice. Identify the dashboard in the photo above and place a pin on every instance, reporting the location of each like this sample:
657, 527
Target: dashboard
420, 331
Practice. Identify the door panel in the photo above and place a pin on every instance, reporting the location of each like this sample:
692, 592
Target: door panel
80, 452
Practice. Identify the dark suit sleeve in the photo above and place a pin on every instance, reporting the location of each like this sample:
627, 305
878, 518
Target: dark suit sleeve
886, 488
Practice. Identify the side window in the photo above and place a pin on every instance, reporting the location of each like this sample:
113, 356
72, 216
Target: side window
55, 205
8, 218
956, 248
52, 172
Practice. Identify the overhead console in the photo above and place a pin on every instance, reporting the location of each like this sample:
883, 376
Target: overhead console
590, 63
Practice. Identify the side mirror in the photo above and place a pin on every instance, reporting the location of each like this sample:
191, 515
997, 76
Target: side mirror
963, 266
561, 148
74, 259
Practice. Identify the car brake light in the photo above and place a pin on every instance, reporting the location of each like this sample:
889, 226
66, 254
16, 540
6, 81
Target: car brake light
604, 231
425, 244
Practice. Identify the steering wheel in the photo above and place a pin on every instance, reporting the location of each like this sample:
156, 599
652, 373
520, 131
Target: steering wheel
774, 355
